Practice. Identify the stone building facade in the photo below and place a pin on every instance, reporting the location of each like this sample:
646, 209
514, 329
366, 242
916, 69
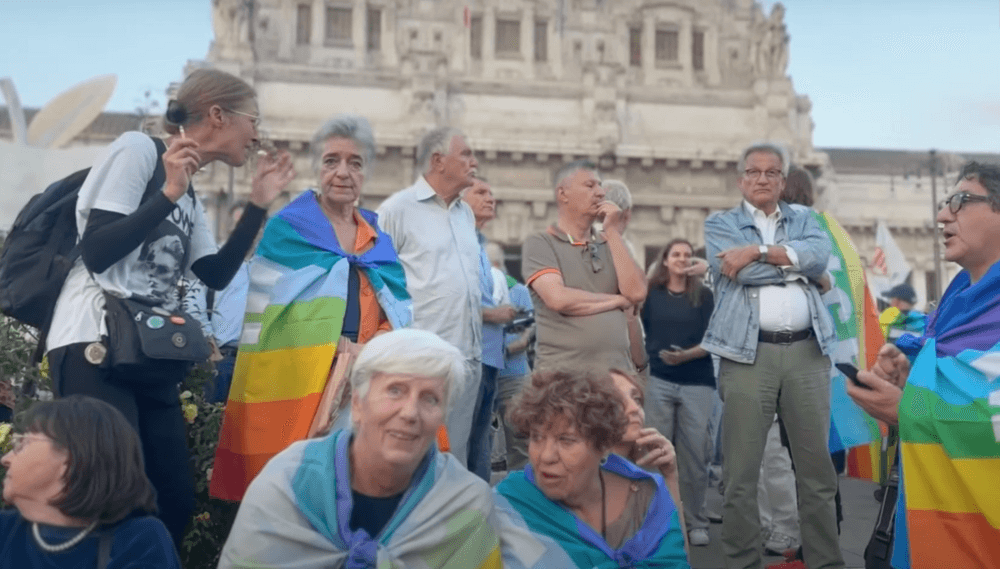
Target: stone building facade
861, 187
661, 95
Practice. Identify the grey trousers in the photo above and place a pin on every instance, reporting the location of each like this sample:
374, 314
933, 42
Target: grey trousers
779, 512
794, 381
681, 413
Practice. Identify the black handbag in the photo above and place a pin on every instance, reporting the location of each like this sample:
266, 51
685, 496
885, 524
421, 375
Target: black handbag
143, 335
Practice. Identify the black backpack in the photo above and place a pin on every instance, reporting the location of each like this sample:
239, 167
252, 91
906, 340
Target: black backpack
42, 247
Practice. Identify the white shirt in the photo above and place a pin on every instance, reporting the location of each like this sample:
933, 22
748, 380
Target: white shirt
437, 246
783, 308
116, 183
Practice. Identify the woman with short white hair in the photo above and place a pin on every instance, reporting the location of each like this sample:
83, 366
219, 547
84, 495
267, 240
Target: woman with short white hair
379, 495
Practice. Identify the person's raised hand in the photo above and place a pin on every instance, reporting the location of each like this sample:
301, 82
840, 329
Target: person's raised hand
659, 452
274, 172
698, 267
892, 365
611, 217
180, 162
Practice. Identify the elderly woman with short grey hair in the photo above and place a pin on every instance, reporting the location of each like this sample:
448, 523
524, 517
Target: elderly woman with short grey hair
379, 494
324, 281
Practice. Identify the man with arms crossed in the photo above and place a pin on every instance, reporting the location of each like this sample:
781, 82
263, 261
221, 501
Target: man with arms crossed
774, 334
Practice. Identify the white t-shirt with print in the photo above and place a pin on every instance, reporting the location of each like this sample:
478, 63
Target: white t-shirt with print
154, 269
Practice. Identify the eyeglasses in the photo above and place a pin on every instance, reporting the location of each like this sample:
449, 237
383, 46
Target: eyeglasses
595, 260
21, 439
254, 119
754, 173
956, 201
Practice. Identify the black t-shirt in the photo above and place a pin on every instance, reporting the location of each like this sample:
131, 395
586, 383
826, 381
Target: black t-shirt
372, 514
670, 320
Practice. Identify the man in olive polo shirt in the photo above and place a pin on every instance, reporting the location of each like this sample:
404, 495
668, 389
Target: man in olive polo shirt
582, 281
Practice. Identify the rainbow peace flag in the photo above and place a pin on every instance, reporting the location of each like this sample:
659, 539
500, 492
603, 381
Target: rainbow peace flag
854, 317
949, 422
294, 317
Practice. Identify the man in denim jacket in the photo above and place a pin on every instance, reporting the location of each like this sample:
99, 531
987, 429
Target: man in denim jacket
774, 334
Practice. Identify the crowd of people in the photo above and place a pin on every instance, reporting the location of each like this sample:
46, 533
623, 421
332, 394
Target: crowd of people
367, 355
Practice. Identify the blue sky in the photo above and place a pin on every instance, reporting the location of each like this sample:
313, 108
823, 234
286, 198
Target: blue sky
901, 74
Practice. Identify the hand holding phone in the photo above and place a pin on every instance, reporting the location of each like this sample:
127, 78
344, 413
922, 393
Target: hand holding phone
852, 373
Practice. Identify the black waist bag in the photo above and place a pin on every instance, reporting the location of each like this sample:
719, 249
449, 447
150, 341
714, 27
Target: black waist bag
144, 337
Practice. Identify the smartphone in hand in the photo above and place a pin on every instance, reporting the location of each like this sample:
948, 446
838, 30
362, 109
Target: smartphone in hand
852, 373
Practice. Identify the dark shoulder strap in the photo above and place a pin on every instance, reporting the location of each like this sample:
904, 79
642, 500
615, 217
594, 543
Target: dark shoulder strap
160, 173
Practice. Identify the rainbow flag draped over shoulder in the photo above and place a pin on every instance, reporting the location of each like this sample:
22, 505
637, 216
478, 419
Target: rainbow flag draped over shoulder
297, 515
294, 317
537, 533
852, 310
949, 427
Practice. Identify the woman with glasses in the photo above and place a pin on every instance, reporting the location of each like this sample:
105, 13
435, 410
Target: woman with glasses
81, 499
325, 280
137, 215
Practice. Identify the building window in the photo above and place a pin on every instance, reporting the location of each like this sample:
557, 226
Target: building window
666, 45
698, 50
541, 40
508, 37
476, 37
635, 46
338, 26
374, 29
303, 24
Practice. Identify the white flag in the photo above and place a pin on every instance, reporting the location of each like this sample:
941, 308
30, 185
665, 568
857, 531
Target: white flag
888, 266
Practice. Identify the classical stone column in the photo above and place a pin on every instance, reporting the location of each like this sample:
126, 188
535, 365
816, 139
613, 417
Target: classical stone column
648, 48
359, 32
528, 40
684, 40
318, 36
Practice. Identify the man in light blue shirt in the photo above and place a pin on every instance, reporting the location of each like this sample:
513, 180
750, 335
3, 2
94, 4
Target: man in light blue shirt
434, 234
480, 198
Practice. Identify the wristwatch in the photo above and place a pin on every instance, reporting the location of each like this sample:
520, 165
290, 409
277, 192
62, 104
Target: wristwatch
763, 253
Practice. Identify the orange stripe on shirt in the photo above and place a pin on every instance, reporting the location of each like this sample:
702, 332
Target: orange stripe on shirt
545, 271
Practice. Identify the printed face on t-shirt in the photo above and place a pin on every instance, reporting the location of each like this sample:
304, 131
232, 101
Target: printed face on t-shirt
161, 264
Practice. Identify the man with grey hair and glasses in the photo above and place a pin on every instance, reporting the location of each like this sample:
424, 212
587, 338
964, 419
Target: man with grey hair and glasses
582, 281
434, 233
774, 336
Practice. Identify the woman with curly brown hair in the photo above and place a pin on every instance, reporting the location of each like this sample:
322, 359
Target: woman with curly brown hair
576, 504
